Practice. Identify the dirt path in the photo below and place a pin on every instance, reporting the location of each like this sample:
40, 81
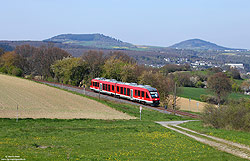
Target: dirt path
236, 149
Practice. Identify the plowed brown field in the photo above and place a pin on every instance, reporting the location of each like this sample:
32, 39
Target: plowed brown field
36, 100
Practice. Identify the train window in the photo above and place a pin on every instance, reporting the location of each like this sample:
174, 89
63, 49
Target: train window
139, 93
121, 90
113, 88
117, 88
125, 90
142, 94
108, 87
128, 91
147, 95
97, 84
135, 92
154, 94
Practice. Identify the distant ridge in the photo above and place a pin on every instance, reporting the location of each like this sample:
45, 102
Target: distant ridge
91, 40
198, 44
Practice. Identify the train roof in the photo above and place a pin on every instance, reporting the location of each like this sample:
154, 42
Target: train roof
148, 87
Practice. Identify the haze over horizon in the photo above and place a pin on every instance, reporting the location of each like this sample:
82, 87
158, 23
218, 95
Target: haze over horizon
147, 22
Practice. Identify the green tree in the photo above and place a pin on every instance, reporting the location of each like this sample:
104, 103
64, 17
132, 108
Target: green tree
121, 68
220, 84
70, 70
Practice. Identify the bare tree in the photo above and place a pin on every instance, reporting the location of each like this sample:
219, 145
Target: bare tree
95, 61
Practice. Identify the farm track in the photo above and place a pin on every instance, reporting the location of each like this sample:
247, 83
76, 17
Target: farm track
236, 149
108, 97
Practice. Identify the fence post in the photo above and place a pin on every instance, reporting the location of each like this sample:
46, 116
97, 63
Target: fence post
17, 113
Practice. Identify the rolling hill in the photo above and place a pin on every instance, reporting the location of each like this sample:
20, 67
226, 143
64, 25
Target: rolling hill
91, 40
198, 44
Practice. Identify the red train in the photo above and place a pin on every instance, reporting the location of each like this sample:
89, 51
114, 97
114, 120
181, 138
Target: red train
141, 93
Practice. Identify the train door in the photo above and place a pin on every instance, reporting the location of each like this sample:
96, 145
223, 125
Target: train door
131, 94
100, 86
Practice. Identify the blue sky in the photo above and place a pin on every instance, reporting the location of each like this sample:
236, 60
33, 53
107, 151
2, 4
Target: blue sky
142, 22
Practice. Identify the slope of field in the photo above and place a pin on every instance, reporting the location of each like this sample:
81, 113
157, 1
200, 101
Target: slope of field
40, 101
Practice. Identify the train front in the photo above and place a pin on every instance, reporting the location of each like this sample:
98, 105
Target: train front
155, 97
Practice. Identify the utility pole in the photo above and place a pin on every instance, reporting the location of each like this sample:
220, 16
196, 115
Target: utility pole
175, 84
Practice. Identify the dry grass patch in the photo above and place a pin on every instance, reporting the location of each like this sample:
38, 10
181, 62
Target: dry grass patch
40, 101
193, 105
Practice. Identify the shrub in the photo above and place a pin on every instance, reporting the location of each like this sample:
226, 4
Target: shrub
236, 88
199, 84
50, 79
29, 76
209, 99
235, 115
213, 116
3, 70
17, 72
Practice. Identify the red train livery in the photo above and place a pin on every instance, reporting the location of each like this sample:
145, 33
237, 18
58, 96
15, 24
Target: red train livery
131, 91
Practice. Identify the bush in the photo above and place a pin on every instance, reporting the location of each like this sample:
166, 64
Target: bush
29, 76
50, 79
3, 70
199, 84
16, 72
235, 115
209, 99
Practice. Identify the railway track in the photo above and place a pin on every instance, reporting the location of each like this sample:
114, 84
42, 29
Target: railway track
94, 94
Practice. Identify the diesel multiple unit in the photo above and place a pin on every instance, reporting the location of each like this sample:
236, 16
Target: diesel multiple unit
141, 93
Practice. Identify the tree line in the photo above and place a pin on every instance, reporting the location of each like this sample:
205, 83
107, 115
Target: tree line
54, 64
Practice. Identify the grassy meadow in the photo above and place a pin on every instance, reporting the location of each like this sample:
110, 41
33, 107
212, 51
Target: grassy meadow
84, 139
194, 93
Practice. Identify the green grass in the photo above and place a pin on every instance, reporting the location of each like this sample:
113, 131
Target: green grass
232, 135
194, 93
83, 139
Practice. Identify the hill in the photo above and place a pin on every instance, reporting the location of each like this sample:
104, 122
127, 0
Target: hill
91, 40
40, 101
198, 44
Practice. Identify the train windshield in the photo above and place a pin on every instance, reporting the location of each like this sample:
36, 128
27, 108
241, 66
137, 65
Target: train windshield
154, 94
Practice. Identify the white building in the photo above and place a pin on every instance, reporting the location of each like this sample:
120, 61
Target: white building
239, 66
